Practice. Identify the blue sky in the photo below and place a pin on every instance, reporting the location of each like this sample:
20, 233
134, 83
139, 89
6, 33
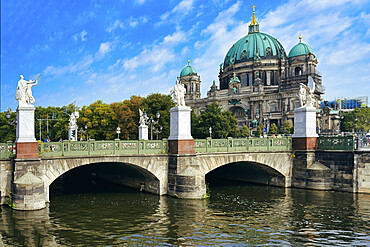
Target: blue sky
110, 50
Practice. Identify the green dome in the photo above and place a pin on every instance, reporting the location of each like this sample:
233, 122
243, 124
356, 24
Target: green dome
254, 46
300, 49
188, 70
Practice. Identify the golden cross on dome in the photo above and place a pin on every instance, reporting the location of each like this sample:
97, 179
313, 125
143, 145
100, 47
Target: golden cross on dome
188, 62
253, 17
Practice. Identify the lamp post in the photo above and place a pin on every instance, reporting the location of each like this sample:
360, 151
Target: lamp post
158, 131
83, 131
210, 132
7, 115
152, 122
118, 132
269, 122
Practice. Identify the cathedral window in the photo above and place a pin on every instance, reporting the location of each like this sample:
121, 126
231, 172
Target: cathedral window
250, 79
268, 78
273, 108
298, 71
244, 80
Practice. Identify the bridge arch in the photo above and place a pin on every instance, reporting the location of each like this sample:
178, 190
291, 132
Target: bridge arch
153, 167
277, 165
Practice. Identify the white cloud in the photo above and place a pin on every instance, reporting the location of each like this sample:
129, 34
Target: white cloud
140, 1
175, 38
155, 58
182, 8
130, 22
116, 24
133, 22
81, 36
103, 49
74, 68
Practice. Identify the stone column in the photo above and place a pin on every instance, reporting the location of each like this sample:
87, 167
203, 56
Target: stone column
25, 140
143, 132
305, 136
184, 177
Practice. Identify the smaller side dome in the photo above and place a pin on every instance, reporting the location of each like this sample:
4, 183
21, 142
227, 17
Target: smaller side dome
300, 49
188, 70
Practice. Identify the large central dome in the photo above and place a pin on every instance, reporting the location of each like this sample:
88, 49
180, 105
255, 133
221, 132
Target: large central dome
254, 46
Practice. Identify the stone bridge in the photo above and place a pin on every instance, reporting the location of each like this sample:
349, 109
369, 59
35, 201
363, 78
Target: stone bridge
148, 167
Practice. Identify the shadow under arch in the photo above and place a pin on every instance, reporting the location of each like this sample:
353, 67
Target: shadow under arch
105, 177
246, 171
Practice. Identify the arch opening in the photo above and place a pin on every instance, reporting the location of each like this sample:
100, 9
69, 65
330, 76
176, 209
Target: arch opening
248, 172
105, 178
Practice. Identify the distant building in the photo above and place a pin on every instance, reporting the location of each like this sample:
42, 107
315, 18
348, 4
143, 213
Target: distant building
258, 81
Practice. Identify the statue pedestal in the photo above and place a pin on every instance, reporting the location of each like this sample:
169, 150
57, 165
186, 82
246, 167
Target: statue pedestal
305, 136
72, 134
143, 132
27, 146
180, 140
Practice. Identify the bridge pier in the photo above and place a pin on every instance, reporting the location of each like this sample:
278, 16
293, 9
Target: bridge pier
184, 177
28, 189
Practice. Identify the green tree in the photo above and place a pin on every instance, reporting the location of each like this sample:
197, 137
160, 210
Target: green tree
127, 115
259, 130
162, 104
357, 120
286, 128
8, 127
100, 120
245, 131
273, 129
222, 122
54, 122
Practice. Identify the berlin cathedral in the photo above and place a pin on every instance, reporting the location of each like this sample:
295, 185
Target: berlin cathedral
258, 81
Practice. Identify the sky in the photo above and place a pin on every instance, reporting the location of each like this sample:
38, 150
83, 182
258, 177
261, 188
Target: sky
90, 50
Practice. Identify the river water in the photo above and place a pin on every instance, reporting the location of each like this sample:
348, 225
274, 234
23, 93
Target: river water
233, 215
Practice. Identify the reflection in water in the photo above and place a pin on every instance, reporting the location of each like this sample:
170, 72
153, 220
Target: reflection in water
236, 215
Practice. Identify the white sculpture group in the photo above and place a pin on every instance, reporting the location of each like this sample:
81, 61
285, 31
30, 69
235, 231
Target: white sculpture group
179, 94
24, 91
73, 119
306, 96
143, 118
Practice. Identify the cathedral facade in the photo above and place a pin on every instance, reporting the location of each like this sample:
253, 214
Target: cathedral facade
258, 81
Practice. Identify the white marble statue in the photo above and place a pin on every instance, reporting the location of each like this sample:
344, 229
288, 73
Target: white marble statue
306, 96
179, 94
73, 120
24, 91
143, 119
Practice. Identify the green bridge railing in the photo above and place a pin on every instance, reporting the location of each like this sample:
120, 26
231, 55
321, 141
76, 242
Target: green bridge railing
243, 144
92, 147
336, 143
69, 148
7, 150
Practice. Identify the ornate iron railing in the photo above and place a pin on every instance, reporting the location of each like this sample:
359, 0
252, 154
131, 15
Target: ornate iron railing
243, 144
7, 150
92, 147
336, 143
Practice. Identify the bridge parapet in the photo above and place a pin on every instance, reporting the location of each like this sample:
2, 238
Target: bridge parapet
7, 150
243, 144
92, 147
336, 143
